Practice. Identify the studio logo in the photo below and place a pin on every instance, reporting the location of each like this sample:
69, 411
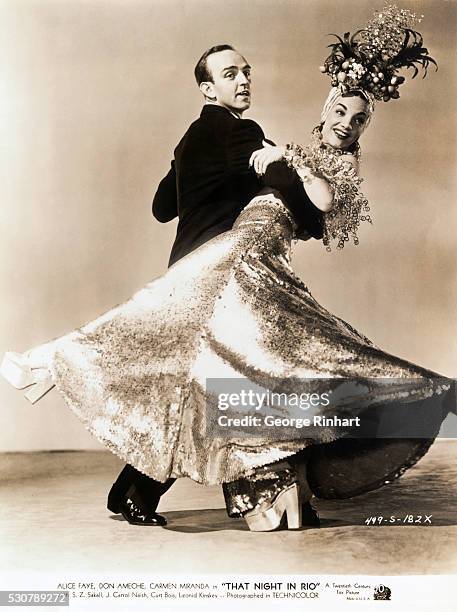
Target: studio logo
382, 592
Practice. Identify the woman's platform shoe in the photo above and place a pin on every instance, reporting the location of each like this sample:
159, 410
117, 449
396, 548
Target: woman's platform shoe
19, 374
274, 515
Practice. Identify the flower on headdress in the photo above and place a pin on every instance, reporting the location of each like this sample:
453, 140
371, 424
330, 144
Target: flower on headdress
371, 58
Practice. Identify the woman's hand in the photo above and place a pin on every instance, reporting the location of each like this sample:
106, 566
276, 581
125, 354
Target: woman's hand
261, 159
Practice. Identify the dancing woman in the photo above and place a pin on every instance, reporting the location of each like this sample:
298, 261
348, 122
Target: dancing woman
233, 309
363, 69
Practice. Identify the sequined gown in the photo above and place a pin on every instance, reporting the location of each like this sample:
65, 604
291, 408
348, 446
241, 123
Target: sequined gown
136, 375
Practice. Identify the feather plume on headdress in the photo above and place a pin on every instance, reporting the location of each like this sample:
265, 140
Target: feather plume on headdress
371, 58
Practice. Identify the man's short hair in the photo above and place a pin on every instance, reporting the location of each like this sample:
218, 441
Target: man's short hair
201, 71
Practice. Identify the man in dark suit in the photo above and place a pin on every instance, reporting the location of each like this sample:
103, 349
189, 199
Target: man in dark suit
209, 183
210, 180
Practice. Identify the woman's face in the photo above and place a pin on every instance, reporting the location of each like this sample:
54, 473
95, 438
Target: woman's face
345, 122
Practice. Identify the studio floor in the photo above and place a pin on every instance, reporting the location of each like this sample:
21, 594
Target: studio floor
53, 517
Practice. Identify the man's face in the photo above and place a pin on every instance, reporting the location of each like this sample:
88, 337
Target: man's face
231, 87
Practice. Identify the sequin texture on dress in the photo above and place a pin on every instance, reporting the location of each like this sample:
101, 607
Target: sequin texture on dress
233, 308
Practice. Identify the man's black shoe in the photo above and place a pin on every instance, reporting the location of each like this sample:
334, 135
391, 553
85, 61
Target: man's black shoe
137, 516
309, 516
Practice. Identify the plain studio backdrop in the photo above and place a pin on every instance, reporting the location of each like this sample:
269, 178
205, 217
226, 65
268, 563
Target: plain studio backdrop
95, 96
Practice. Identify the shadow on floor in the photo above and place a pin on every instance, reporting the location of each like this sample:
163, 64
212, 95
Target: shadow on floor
208, 520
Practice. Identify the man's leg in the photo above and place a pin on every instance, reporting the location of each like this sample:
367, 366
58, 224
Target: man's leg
143, 491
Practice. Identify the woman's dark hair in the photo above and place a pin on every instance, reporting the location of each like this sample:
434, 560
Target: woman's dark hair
201, 71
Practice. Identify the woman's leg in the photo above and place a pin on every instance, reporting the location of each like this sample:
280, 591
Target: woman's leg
271, 492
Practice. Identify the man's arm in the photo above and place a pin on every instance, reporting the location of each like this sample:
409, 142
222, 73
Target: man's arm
165, 203
247, 137
244, 137
308, 216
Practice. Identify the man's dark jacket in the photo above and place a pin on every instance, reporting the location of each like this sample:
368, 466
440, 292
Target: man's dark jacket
210, 181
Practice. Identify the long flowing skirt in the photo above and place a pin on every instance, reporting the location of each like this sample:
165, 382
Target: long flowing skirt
143, 376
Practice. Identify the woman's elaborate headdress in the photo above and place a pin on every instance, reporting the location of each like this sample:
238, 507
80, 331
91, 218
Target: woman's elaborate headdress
366, 63
371, 58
